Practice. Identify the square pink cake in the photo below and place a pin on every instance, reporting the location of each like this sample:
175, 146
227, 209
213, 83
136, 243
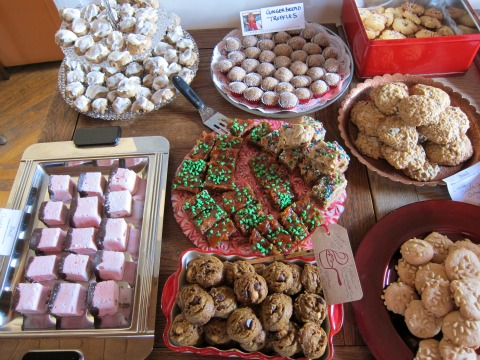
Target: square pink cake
68, 299
122, 317
103, 298
85, 212
61, 187
42, 268
118, 204
76, 267
109, 265
91, 184
31, 298
123, 179
48, 240
81, 241
53, 214
113, 234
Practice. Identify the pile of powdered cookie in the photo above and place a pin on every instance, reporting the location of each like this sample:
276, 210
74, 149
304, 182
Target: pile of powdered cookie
438, 292
274, 308
411, 19
414, 129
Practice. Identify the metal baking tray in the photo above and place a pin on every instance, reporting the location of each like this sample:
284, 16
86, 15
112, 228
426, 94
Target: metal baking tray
29, 189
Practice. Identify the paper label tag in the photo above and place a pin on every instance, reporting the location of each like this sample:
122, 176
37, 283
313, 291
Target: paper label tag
465, 185
272, 19
336, 265
9, 223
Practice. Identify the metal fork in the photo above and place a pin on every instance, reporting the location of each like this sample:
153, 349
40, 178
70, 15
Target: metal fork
210, 117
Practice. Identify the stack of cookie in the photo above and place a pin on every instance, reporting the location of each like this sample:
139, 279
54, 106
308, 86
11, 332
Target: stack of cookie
275, 308
414, 129
411, 19
438, 292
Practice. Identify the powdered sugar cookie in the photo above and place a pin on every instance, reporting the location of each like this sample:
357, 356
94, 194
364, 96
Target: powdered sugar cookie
416, 251
462, 264
387, 96
437, 297
466, 294
406, 272
441, 244
429, 273
461, 331
428, 350
420, 322
397, 296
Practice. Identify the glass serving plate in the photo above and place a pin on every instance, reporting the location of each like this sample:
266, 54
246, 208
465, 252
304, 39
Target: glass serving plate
109, 113
148, 157
346, 72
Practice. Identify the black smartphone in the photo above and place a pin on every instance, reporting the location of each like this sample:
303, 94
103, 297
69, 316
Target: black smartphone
53, 355
97, 136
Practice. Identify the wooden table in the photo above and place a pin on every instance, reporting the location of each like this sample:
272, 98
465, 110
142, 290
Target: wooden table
370, 197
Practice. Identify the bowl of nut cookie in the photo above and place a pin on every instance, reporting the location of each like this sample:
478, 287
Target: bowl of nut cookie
410, 129
411, 37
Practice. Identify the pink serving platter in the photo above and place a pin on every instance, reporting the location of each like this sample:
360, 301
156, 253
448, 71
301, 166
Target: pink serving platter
332, 324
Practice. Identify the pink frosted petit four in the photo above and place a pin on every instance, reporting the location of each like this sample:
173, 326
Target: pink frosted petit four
75, 267
68, 299
42, 268
91, 184
85, 212
123, 179
109, 265
103, 298
47, 240
61, 187
113, 234
118, 204
81, 241
31, 298
53, 214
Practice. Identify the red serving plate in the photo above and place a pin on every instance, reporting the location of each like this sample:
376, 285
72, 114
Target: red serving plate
384, 332
333, 322
433, 56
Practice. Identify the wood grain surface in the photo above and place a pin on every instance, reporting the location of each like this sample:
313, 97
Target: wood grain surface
370, 197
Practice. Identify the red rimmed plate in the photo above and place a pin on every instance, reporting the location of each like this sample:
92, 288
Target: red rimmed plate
386, 333
332, 324
238, 243
349, 132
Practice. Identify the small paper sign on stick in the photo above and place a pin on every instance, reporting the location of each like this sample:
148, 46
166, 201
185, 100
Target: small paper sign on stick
9, 223
336, 265
464, 186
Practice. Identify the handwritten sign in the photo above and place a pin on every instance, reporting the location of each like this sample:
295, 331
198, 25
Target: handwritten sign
273, 19
336, 265
464, 186
9, 222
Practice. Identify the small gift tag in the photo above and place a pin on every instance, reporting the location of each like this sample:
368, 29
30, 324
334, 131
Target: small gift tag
9, 223
464, 186
336, 265
272, 19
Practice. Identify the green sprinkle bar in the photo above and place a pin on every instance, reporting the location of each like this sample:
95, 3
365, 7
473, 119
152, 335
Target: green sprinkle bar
268, 225
280, 240
280, 196
207, 218
237, 199
310, 215
260, 130
239, 127
224, 155
260, 244
198, 203
308, 172
220, 231
226, 141
329, 189
290, 158
269, 143
204, 145
220, 176
191, 176
248, 218
293, 224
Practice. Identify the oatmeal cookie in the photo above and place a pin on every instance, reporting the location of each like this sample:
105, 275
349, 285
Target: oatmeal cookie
450, 351
462, 264
428, 349
369, 145
395, 133
437, 297
427, 172
461, 331
387, 96
456, 115
442, 132
420, 322
441, 244
285, 342
313, 340
406, 272
310, 279
276, 311
182, 333
418, 110
310, 307
278, 276
250, 289
466, 293
429, 273
452, 154
243, 325
416, 251
397, 296
440, 96
367, 117
207, 271
224, 301
414, 157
